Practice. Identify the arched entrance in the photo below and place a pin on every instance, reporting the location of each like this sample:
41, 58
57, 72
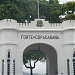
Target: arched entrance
51, 57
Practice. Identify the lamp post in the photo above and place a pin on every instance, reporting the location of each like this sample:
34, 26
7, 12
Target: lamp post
38, 7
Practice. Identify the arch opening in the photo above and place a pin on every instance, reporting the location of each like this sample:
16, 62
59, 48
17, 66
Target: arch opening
51, 57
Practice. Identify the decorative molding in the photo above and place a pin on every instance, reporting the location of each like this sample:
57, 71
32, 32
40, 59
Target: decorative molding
8, 43
69, 43
39, 23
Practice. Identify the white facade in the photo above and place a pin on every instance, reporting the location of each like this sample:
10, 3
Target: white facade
56, 40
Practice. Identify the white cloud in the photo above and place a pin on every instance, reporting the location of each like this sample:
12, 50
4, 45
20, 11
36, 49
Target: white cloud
63, 1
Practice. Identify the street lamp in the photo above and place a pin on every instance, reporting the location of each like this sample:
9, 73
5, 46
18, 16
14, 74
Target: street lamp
38, 7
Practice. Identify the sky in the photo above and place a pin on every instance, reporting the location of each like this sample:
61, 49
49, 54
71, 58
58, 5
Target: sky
64, 1
40, 68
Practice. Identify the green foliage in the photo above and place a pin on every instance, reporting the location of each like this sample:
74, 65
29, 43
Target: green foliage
70, 6
21, 10
63, 8
11, 11
33, 55
53, 1
70, 17
53, 13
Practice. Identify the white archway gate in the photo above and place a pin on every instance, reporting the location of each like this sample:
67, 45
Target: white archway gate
16, 37
51, 57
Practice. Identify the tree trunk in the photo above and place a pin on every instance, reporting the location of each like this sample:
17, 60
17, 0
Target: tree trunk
31, 70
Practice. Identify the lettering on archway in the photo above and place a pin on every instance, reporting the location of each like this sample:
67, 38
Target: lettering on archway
39, 37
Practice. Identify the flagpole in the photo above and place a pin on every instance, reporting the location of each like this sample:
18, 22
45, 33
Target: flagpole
38, 7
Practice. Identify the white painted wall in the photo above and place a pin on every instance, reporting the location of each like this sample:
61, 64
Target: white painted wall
10, 38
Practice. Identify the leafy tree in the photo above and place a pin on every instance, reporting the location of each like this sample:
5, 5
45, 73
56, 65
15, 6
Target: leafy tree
53, 12
21, 10
63, 8
10, 11
33, 55
70, 17
53, 1
43, 8
70, 7
30, 8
